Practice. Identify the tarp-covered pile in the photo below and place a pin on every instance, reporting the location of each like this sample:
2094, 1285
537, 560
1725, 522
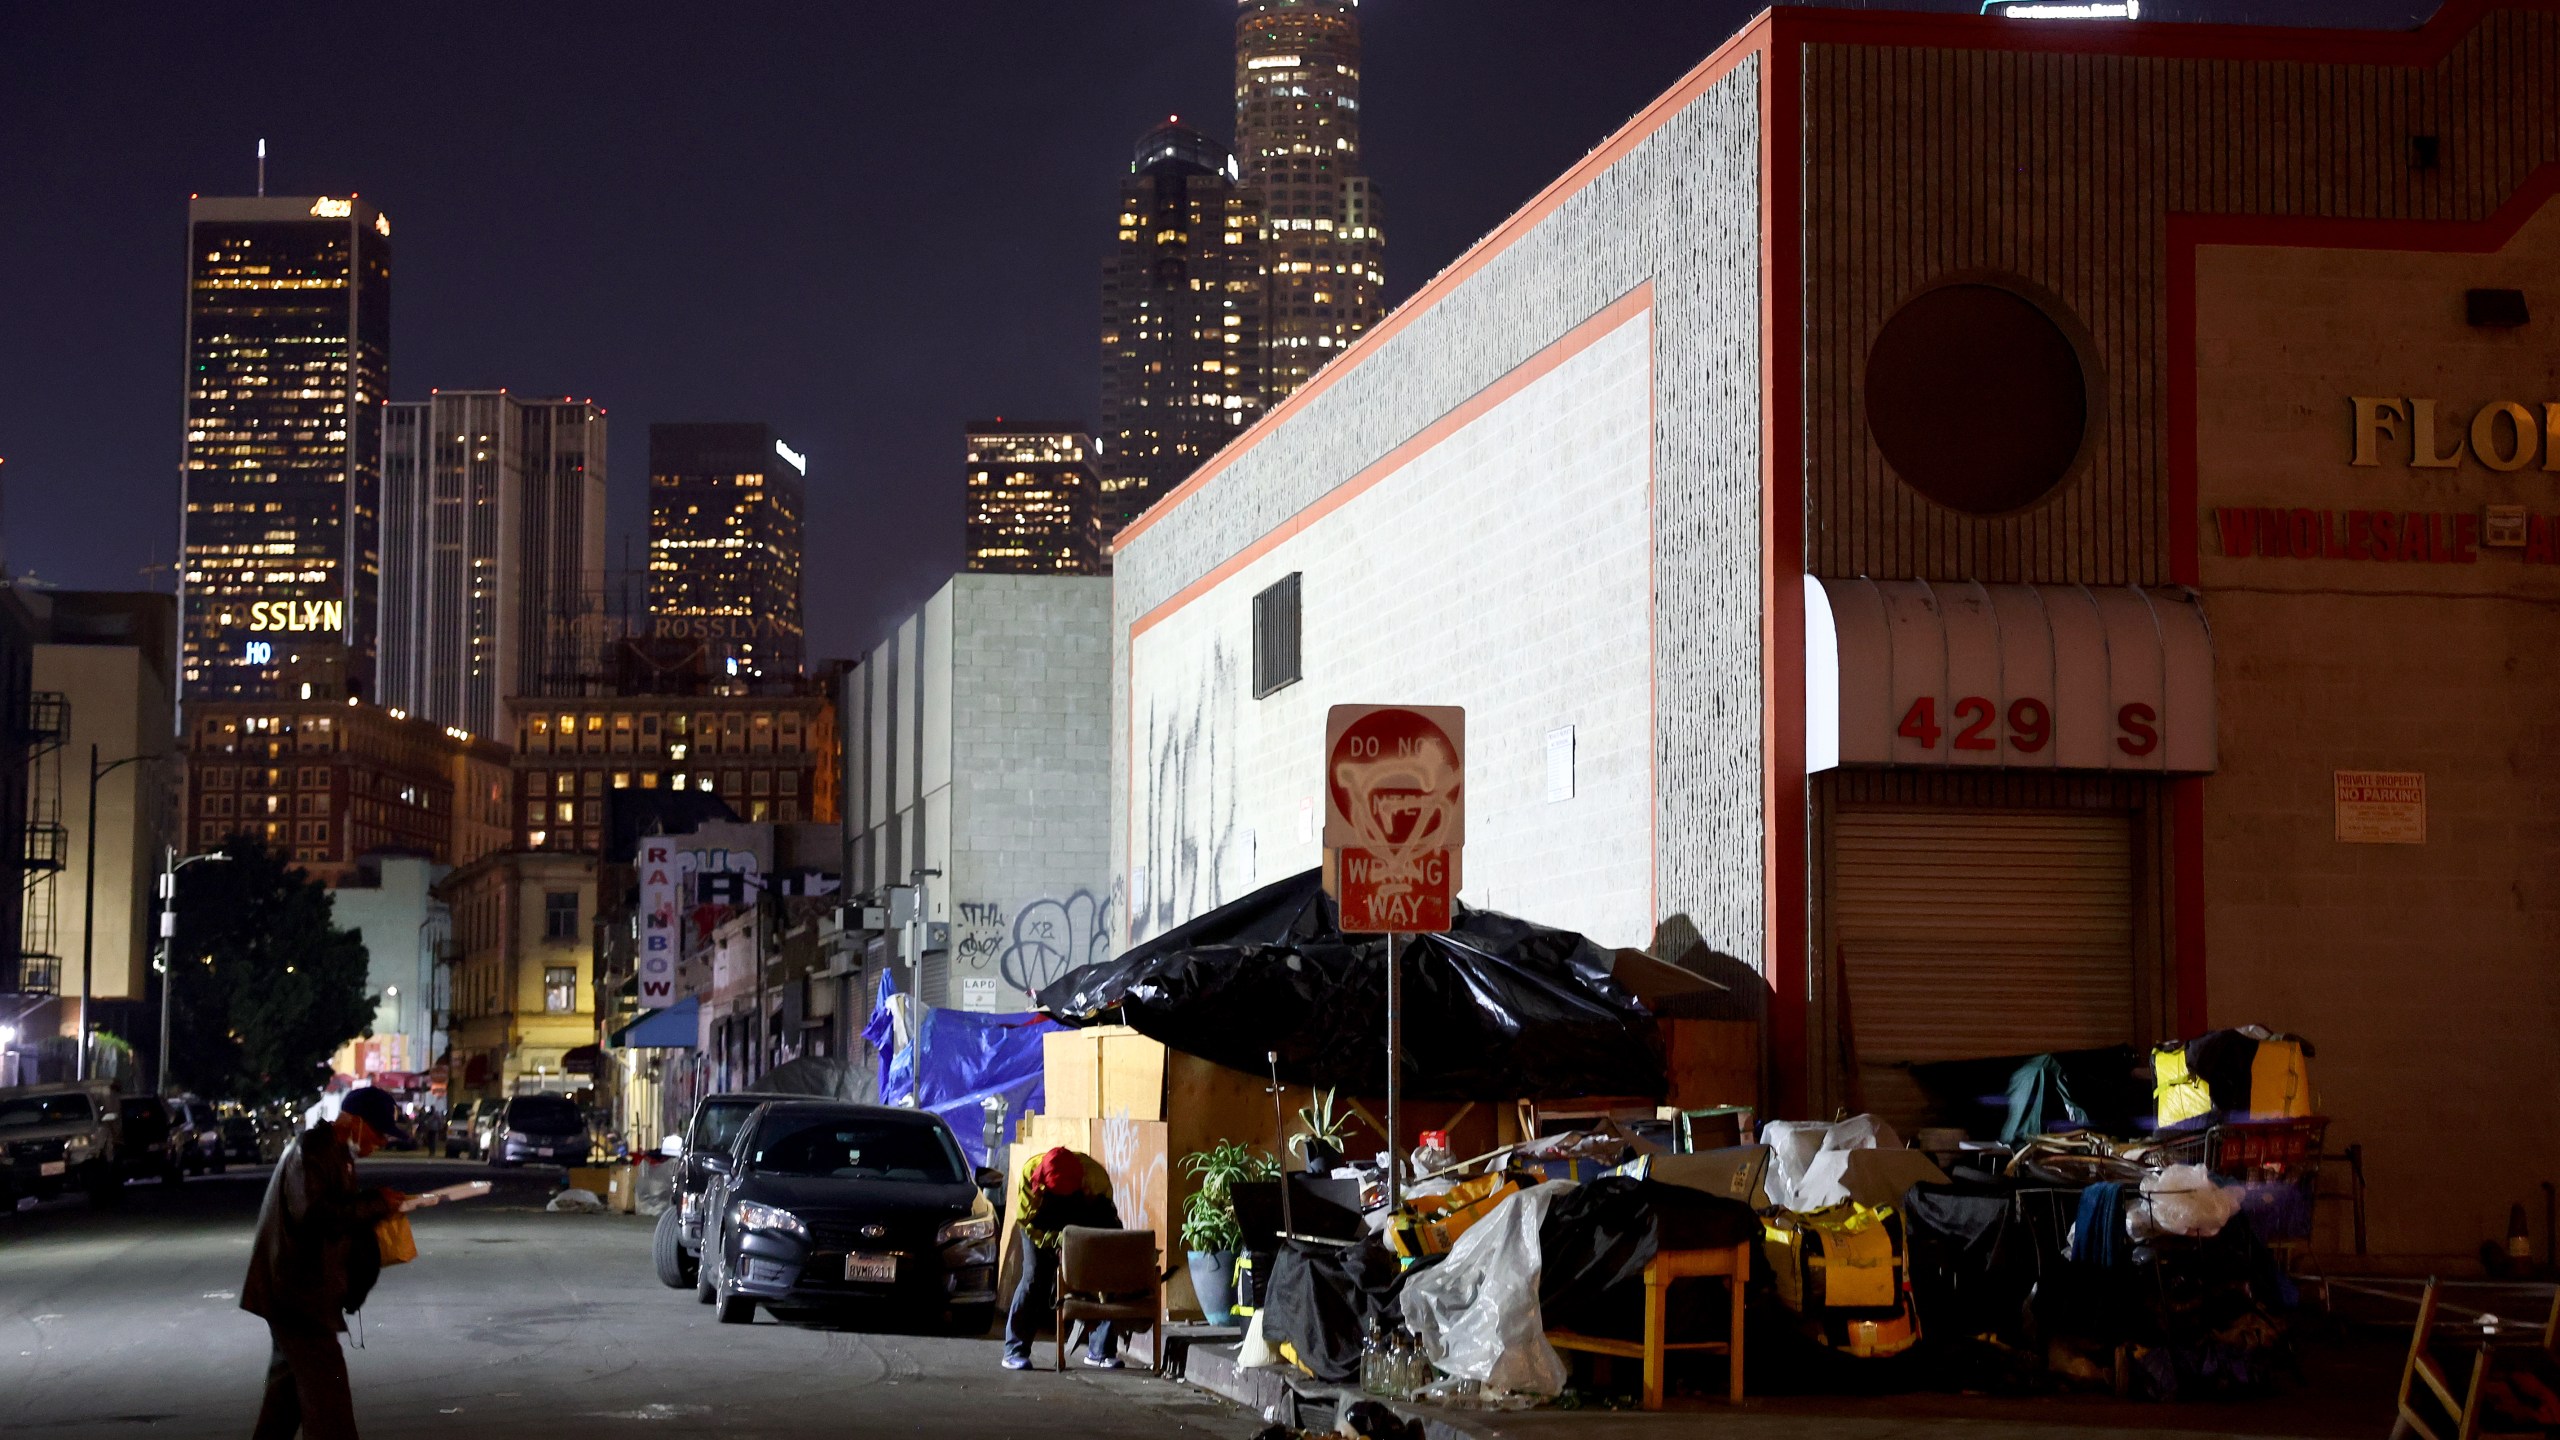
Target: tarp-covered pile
1498, 1008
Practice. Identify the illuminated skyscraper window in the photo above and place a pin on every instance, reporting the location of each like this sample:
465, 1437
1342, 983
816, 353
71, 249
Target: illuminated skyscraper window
1298, 143
725, 513
1030, 501
288, 356
1182, 320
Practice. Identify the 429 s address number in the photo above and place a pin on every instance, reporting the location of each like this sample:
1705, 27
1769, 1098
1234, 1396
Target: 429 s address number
1976, 725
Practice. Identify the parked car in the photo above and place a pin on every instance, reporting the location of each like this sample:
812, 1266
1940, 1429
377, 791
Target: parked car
55, 1137
540, 1129
151, 1139
823, 1203
202, 1135
241, 1141
713, 1129
485, 1127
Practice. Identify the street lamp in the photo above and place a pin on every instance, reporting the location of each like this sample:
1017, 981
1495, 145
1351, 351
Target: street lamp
89, 900
169, 867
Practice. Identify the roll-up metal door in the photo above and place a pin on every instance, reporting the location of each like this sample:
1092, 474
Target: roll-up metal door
1962, 934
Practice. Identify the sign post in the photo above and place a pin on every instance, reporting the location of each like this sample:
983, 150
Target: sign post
1395, 819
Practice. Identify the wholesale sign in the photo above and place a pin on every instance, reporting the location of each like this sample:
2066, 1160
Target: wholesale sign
1395, 813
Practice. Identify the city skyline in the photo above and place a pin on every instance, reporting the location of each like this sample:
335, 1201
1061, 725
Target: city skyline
560, 267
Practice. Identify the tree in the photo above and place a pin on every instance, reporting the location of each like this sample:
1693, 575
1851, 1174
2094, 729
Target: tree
264, 987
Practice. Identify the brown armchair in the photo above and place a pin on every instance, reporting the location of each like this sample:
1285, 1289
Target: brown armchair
1111, 1275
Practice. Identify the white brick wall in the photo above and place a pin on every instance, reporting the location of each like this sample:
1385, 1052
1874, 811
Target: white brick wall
1506, 569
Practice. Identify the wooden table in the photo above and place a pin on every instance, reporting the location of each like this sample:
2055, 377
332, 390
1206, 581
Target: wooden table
1733, 1265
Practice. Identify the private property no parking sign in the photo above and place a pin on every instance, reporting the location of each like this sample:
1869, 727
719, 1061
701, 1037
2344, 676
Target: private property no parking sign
1395, 812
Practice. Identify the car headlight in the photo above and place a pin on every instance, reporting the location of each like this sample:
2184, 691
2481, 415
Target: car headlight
518, 1137
684, 1209
771, 1219
79, 1145
967, 1231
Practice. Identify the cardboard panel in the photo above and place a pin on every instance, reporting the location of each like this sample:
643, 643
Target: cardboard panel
1712, 1062
1132, 1069
1071, 1070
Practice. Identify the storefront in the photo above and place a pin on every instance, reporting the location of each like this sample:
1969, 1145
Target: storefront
2024, 535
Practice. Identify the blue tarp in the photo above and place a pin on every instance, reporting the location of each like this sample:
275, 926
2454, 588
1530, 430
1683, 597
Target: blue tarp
966, 1057
897, 1062
678, 1027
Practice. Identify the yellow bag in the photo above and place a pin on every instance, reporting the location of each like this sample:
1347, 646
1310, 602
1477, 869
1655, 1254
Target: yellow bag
2279, 1081
2181, 1095
398, 1243
1434, 1222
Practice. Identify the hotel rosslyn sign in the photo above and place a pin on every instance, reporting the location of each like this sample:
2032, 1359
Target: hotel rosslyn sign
2502, 436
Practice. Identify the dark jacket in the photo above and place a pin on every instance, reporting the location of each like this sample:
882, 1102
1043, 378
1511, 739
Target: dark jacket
313, 1212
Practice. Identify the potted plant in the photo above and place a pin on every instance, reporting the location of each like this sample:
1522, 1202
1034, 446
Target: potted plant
1320, 1143
1209, 1227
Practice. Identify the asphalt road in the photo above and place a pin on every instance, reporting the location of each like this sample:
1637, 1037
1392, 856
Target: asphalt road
512, 1323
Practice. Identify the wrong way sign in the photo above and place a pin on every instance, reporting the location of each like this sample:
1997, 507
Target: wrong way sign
1395, 812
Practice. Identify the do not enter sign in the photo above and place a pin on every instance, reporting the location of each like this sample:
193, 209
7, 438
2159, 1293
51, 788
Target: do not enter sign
1395, 812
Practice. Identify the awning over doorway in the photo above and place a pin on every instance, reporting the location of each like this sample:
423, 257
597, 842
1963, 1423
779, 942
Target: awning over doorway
675, 1028
2042, 677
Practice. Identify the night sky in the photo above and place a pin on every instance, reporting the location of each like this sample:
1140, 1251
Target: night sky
863, 222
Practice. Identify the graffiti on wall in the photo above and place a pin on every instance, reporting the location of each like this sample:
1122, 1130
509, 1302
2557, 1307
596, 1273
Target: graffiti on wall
1187, 835
1032, 945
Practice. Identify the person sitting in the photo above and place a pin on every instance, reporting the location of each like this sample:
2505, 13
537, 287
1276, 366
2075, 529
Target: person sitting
1059, 1188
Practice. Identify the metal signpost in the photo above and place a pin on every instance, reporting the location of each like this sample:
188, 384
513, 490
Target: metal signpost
1395, 819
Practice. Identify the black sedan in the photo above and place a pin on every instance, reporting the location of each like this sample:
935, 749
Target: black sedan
833, 1205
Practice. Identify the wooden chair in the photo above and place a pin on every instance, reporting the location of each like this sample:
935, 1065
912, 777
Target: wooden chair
2425, 1373
1109, 1275
1733, 1265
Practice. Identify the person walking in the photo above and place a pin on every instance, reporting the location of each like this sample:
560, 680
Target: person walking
313, 1216
1059, 1188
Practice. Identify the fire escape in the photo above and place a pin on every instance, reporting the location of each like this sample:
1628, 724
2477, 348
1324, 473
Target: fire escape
44, 845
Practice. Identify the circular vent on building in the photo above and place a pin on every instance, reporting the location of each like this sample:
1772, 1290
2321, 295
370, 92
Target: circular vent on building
1977, 399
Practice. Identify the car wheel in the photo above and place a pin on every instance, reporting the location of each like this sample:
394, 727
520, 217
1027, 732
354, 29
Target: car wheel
666, 1249
972, 1321
737, 1310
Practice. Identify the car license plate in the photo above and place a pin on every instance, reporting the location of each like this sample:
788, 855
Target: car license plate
542, 1150
871, 1269
51, 1167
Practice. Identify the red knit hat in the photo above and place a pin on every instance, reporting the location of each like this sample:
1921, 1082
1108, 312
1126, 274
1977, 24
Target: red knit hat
1060, 1172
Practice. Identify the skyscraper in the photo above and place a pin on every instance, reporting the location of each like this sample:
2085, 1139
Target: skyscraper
492, 541
288, 358
1298, 141
1182, 319
1031, 497
725, 507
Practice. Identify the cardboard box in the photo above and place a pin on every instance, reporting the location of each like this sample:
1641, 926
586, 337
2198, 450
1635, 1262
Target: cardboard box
596, 1180
622, 1192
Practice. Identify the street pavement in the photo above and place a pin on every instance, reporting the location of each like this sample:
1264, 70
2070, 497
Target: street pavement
512, 1322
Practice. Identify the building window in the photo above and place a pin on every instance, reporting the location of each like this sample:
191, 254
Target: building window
537, 813
1275, 637
560, 915
560, 987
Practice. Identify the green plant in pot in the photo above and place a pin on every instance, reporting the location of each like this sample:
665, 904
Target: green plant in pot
1209, 1227
1319, 1142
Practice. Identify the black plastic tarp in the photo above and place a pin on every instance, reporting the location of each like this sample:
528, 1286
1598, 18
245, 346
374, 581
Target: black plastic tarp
1498, 1008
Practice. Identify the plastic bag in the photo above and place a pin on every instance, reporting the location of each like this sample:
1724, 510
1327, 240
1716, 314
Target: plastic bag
576, 1202
2182, 1200
397, 1241
1809, 1160
1476, 1312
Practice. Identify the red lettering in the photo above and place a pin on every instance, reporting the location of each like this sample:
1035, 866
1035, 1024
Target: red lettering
1920, 722
2136, 721
2306, 534
2333, 544
2386, 535
1975, 736
2235, 528
2275, 536
2030, 725
2416, 540
2359, 534
2466, 539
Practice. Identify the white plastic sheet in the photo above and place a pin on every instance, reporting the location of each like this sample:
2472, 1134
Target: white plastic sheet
2182, 1200
1809, 1160
1476, 1312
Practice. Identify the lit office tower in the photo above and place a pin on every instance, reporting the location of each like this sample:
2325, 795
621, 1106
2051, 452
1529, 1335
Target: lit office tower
1298, 140
1182, 326
725, 507
1031, 494
492, 542
288, 355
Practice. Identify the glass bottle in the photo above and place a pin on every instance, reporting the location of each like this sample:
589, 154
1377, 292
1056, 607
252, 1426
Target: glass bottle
1373, 1361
